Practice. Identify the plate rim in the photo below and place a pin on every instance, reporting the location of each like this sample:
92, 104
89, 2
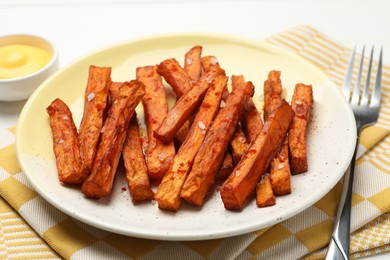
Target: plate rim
152, 235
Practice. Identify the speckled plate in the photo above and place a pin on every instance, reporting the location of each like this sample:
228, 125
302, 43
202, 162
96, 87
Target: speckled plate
331, 139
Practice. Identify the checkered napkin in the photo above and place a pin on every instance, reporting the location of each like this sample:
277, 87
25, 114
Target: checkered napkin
32, 228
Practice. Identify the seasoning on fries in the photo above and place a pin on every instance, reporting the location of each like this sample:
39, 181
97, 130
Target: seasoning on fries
99, 182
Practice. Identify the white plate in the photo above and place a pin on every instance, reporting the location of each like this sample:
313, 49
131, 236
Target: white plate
331, 139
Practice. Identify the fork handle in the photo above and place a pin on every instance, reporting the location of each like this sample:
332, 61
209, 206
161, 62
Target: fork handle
341, 230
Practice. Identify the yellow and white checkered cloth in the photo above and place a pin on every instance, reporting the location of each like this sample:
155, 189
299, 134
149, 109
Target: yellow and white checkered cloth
32, 228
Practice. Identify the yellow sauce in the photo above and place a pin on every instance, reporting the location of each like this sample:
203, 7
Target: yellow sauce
17, 60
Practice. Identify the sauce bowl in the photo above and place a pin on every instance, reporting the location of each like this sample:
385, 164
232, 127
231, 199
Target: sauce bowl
21, 87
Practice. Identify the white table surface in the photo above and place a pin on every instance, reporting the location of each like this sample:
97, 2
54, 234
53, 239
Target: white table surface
78, 27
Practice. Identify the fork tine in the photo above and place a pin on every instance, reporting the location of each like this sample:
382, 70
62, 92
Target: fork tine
376, 96
364, 100
356, 92
348, 78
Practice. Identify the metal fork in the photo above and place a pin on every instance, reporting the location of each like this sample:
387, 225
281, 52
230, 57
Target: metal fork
366, 111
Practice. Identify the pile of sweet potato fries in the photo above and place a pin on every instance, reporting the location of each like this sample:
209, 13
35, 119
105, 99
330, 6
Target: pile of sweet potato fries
209, 136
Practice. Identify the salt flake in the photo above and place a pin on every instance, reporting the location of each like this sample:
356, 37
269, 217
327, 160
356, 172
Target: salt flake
242, 139
91, 96
280, 166
209, 79
214, 61
201, 125
161, 157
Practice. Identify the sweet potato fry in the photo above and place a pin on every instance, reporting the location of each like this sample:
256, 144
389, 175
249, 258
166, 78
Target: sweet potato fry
159, 155
113, 91
242, 181
264, 193
237, 80
183, 108
95, 103
272, 92
193, 68
134, 160
250, 119
168, 192
280, 172
302, 102
238, 144
65, 143
183, 131
251, 122
99, 182
175, 75
280, 167
210, 155
211, 63
227, 167
193, 63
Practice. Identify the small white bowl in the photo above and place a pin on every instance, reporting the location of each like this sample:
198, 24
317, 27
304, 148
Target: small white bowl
20, 88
